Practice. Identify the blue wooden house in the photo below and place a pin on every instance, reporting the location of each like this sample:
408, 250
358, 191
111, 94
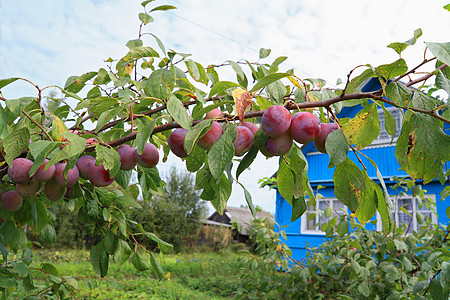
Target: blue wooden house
305, 233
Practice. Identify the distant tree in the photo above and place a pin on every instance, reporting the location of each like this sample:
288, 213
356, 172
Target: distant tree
175, 215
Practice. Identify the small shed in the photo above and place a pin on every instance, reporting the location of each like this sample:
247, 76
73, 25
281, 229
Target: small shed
243, 218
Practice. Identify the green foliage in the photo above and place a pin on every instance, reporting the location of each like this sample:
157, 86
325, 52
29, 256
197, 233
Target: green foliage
360, 264
175, 215
139, 97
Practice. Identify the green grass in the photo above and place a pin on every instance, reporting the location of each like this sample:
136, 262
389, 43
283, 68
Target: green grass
188, 276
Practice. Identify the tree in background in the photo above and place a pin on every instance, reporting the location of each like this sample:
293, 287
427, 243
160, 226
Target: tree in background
175, 215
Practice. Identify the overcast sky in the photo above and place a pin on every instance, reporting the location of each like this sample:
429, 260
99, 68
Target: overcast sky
47, 41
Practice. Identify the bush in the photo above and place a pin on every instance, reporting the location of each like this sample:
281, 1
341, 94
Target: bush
174, 216
364, 264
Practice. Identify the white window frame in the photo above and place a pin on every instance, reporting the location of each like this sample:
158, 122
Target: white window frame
319, 215
386, 140
415, 209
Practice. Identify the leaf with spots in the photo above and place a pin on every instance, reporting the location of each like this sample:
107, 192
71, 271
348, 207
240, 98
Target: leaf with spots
422, 147
350, 183
363, 128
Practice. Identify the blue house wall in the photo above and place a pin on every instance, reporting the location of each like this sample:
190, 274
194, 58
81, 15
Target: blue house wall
320, 174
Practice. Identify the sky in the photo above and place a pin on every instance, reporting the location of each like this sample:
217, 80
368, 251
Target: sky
47, 41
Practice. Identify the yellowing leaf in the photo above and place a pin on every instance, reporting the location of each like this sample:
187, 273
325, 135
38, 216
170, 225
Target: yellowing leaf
242, 99
58, 128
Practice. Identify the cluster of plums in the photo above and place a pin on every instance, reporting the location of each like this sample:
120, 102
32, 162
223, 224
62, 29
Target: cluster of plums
282, 129
276, 122
57, 186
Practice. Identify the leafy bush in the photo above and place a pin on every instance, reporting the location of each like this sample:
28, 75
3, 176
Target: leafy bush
363, 264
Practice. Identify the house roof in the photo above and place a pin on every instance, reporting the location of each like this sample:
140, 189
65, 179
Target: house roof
214, 223
243, 217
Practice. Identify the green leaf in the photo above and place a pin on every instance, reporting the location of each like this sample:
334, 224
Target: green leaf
131, 44
17, 105
276, 63
266, 80
123, 178
40, 150
5, 82
13, 236
99, 259
242, 79
220, 87
398, 93
73, 149
50, 268
109, 158
436, 291
48, 233
75, 84
356, 82
39, 217
392, 70
160, 84
102, 77
349, 184
109, 242
328, 212
399, 47
264, 103
248, 199
337, 147
160, 44
342, 228
145, 19
223, 192
196, 159
285, 181
195, 134
247, 160
422, 147
3, 124
263, 53
126, 201
364, 289
122, 253
220, 155
368, 201
136, 53
441, 51
163, 246
144, 134
298, 207
163, 7
7, 283
389, 123
108, 116
15, 144
21, 269
144, 3
193, 69
139, 263
178, 112
363, 128
156, 266
443, 82
422, 101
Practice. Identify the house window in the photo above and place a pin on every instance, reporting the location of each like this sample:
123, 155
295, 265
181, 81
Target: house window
314, 217
384, 137
405, 210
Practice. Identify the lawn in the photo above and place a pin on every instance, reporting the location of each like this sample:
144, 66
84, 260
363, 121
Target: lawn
202, 275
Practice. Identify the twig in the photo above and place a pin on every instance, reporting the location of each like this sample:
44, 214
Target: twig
39, 125
24, 258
